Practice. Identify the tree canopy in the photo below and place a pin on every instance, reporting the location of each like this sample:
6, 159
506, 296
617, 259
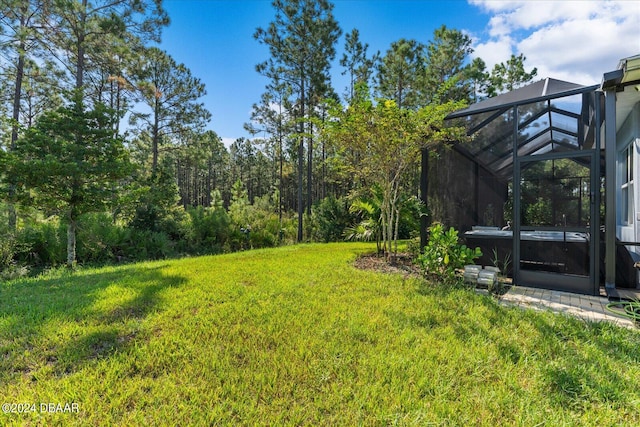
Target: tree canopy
379, 142
69, 163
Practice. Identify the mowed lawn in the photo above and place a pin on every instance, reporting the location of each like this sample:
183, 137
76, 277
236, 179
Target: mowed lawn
298, 336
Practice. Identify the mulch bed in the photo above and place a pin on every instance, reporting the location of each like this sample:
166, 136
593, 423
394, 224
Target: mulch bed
402, 265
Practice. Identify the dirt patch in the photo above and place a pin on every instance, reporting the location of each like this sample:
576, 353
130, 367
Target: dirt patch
403, 264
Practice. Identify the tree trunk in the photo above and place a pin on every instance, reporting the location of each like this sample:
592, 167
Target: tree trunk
207, 196
155, 137
80, 47
281, 161
301, 162
71, 240
17, 95
310, 169
72, 216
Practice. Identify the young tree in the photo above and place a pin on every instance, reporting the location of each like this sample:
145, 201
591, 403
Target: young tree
301, 42
242, 155
69, 163
393, 138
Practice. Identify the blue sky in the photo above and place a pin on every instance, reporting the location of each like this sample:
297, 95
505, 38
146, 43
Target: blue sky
569, 40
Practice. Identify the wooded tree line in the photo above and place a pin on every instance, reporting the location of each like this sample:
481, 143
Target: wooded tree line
96, 119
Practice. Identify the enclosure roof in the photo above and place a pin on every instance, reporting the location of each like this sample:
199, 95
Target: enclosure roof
539, 91
546, 123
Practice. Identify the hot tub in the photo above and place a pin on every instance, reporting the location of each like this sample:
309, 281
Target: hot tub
553, 251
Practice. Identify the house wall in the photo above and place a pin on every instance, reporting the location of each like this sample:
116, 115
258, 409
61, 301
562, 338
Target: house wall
462, 193
628, 134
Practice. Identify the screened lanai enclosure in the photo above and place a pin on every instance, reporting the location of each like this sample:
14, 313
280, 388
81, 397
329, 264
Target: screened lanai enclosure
528, 186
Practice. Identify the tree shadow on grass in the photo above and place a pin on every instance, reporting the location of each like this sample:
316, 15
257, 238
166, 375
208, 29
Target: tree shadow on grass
62, 323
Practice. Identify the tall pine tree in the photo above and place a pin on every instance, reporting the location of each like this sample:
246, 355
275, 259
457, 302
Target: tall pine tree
301, 41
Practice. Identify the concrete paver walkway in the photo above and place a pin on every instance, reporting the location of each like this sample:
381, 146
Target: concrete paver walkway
592, 308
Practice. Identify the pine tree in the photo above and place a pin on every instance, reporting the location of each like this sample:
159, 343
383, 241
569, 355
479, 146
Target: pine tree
69, 163
273, 118
22, 19
447, 60
301, 42
171, 93
509, 75
359, 67
399, 73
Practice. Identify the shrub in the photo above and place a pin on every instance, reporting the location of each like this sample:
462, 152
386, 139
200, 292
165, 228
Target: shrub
254, 225
100, 240
9, 268
330, 218
209, 230
444, 254
411, 209
42, 244
7, 251
140, 245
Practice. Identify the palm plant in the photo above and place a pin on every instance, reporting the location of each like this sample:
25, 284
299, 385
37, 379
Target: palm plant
368, 210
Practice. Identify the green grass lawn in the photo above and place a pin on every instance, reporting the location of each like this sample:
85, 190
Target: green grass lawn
298, 336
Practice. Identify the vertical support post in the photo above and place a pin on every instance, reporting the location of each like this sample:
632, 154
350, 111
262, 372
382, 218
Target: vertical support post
476, 189
596, 197
516, 200
424, 189
610, 188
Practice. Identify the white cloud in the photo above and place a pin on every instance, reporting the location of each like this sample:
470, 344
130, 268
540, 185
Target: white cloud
228, 141
494, 51
570, 40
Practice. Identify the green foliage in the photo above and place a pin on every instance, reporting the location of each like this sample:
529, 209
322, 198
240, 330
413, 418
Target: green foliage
171, 92
104, 240
256, 225
9, 247
504, 263
69, 161
100, 240
210, 230
447, 60
42, 243
411, 208
444, 254
381, 143
145, 245
239, 209
399, 71
368, 225
509, 75
357, 64
156, 208
330, 217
